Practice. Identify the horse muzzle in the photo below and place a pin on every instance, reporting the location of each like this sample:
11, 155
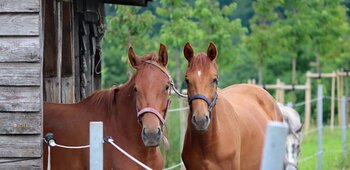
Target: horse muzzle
151, 138
200, 123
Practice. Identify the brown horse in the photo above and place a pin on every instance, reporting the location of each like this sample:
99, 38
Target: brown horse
226, 128
133, 114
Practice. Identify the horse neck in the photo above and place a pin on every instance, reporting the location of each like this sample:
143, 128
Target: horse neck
126, 125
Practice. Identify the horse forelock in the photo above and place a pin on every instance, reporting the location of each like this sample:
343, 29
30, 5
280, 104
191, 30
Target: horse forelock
201, 62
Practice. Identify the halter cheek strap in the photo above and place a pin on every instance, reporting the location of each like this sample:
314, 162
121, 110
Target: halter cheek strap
202, 97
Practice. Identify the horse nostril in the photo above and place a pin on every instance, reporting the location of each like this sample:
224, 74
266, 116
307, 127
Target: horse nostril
194, 119
159, 132
207, 118
144, 131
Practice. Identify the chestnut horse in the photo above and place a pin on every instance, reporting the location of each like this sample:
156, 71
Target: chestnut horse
133, 114
226, 128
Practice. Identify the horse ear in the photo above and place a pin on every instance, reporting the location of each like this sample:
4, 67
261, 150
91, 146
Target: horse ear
212, 51
163, 55
188, 52
133, 59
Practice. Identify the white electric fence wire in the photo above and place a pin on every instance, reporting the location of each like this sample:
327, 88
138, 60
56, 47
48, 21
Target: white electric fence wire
110, 140
175, 166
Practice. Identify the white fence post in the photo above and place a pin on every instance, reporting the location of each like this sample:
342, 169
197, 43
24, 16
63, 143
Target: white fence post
274, 147
343, 121
319, 123
96, 145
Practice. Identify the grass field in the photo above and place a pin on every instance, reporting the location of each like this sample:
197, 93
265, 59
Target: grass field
332, 146
332, 157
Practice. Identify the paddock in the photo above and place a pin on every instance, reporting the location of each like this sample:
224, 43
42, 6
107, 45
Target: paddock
35, 66
49, 51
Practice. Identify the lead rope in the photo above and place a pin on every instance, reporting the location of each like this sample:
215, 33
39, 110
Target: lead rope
176, 91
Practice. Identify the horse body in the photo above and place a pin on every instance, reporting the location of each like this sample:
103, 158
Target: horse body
232, 135
255, 108
118, 109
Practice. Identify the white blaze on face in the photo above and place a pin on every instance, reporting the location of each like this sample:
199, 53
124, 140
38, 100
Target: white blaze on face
199, 73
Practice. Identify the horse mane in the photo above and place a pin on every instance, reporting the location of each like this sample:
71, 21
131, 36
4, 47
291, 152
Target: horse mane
106, 98
200, 61
102, 99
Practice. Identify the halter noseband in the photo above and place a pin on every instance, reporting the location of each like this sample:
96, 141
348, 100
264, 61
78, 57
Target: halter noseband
202, 97
150, 109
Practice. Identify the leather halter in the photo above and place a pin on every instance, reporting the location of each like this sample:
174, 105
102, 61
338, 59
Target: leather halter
202, 97
150, 109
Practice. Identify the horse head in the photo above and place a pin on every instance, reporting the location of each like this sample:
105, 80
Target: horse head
202, 82
152, 92
293, 141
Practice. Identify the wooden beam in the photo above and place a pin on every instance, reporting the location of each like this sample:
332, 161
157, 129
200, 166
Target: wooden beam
283, 87
332, 100
58, 31
307, 104
7, 6
322, 75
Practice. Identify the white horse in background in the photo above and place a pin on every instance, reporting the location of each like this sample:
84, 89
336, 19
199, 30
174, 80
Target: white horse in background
293, 142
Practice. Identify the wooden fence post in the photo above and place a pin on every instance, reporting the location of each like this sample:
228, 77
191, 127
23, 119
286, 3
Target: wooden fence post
339, 97
274, 147
332, 100
307, 102
96, 145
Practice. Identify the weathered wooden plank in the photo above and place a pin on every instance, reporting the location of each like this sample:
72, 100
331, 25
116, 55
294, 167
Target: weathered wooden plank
20, 123
67, 40
68, 90
20, 99
17, 164
50, 43
51, 90
19, 24
20, 74
20, 146
19, 6
76, 52
19, 49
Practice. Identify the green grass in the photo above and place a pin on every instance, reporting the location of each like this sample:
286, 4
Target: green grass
332, 157
332, 145
173, 155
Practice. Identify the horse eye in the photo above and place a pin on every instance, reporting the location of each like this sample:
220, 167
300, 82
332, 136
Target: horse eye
215, 80
187, 82
135, 89
167, 87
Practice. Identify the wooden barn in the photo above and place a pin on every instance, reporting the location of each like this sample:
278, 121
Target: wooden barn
49, 51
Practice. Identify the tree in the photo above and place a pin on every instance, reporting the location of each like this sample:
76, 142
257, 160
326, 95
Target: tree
260, 41
215, 25
177, 27
129, 26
